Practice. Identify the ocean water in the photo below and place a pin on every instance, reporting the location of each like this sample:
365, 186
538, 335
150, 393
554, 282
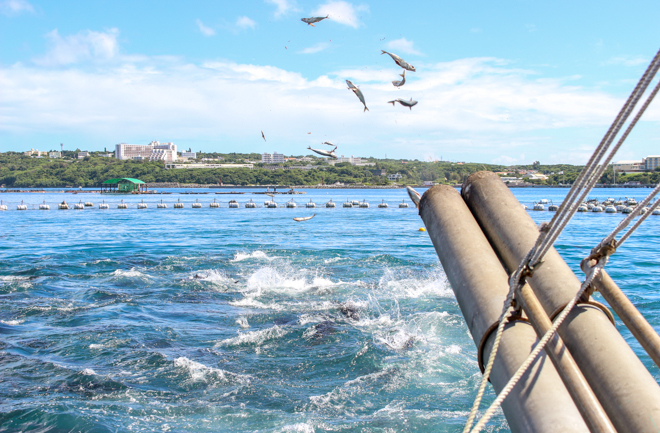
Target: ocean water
244, 320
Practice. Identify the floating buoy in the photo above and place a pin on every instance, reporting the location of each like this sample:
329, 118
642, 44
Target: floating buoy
215, 204
403, 204
161, 205
178, 205
538, 206
364, 204
142, 205
553, 208
311, 204
44, 206
330, 204
348, 203
421, 229
197, 205
2, 206
63, 206
543, 201
656, 212
383, 205
89, 204
355, 202
272, 205
627, 209
583, 208
597, 209
291, 204
233, 204
610, 209
78, 206
250, 204
21, 206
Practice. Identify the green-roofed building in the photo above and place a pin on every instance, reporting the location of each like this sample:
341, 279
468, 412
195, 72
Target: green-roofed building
125, 185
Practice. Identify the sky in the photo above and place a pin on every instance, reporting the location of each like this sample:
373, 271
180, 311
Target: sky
506, 82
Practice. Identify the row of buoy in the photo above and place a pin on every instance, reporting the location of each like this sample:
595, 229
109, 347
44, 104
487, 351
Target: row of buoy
590, 207
233, 204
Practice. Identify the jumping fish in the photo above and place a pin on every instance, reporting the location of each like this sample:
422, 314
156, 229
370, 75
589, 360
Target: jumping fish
399, 61
403, 102
263, 136
329, 144
358, 93
304, 218
330, 154
313, 20
414, 196
402, 82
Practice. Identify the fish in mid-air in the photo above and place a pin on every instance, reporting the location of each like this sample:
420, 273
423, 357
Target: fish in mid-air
329, 144
414, 196
298, 219
330, 154
403, 102
399, 61
263, 136
358, 93
402, 82
313, 20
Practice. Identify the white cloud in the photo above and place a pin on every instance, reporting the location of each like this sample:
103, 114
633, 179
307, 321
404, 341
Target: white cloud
245, 22
530, 28
627, 61
85, 45
403, 45
15, 7
474, 106
315, 48
206, 31
510, 160
341, 12
283, 7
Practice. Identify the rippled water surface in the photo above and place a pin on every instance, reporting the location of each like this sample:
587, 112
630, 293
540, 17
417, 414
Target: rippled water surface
244, 320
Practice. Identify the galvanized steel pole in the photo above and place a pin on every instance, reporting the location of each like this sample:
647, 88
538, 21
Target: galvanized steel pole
539, 402
626, 390
631, 317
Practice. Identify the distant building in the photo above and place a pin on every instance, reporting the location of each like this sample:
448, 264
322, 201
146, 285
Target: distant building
396, 176
54, 154
651, 162
274, 158
33, 152
189, 154
107, 155
379, 172
195, 166
83, 154
629, 166
219, 158
154, 151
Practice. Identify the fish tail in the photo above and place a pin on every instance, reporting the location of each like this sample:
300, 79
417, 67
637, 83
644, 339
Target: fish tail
403, 75
365, 109
383, 52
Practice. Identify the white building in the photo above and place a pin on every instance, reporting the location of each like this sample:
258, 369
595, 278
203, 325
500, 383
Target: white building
396, 176
83, 154
194, 165
629, 166
274, 158
189, 154
33, 152
54, 154
154, 151
651, 162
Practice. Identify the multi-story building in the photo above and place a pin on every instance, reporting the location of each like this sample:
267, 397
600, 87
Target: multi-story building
154, 151
272, 158
396, 176
83, 154
651, 162
201, 165
629, 166
54, 154
33, 152
189, 154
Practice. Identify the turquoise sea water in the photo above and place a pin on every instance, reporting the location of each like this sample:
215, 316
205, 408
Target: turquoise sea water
244, 320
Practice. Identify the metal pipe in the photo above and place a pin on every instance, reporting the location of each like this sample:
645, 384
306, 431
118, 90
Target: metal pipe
631, 317
624, 387
584, 398
539, 402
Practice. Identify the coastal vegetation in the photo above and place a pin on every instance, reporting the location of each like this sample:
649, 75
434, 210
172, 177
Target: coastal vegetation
19, 170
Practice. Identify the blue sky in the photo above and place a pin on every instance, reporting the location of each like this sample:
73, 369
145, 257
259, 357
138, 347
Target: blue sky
497, 82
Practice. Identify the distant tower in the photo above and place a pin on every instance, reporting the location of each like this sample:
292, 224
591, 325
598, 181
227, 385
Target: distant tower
62, 146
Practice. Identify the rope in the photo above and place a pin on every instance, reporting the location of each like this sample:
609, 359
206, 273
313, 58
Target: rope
593, 272
550, 232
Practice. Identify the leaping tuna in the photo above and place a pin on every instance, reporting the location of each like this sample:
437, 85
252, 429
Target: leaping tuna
402, 82
330, 154
358, 93
313, 20
403, 102
299, 219
399, 61
329, 143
